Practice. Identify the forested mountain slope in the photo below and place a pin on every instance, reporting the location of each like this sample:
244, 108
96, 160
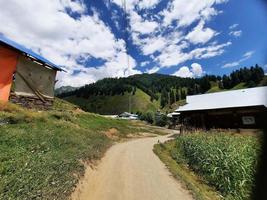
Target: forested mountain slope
150, 92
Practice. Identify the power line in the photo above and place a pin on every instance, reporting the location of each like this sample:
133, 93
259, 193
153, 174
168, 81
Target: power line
126, 40
126, 33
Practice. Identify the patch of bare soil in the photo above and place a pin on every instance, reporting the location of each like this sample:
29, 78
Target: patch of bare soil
112, 133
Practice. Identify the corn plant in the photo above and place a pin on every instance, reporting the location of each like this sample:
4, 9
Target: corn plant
226, 162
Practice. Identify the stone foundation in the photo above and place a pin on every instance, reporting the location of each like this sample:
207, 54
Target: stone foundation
31, 102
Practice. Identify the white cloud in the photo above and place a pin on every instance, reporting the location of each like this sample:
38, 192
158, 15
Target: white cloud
170, 49
185, 72
245, 56
200, 34
152, 45
140, 25
65, 40
69, 41
174, 54
209, 51
197, 69
145, 4
233, 26
153, 70
236, 33
143, 64
233, 32
186, 12
248, 54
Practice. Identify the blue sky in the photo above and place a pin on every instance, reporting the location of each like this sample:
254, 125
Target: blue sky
178, 37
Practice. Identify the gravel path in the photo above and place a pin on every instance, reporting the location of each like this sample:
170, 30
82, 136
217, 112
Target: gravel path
130, 171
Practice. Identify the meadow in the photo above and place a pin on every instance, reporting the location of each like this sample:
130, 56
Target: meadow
42, 153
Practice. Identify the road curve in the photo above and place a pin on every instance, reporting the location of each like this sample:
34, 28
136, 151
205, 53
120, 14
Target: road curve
130, 171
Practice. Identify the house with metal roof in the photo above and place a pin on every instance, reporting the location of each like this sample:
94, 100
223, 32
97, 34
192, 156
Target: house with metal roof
26, 78
245, 108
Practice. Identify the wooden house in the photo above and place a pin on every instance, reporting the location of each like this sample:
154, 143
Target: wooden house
26, 78
245, 108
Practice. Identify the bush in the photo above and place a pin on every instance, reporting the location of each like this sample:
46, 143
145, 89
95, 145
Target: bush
148, 117
227, 162
161, 120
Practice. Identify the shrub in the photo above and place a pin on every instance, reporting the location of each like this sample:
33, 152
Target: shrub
148, 117
161, 120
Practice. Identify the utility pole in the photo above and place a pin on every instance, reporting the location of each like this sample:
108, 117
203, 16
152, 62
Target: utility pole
130, 103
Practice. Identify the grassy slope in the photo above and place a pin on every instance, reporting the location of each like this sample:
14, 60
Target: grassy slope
239, 86
42, 153
215, 88
116, 104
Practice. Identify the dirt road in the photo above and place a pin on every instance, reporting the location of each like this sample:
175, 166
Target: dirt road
131, 171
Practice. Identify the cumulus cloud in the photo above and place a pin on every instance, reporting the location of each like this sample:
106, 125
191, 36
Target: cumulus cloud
200, 34
197, 69
152, 45
186, 72
245, 56
66, 40
170, 49
186, 12
73, 41
183, 72
139, 25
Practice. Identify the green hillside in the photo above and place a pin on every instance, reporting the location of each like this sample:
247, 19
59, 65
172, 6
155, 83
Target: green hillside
116, 104
151, 92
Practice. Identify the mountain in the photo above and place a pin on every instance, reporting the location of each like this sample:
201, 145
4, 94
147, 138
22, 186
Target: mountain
64, 89
151, 92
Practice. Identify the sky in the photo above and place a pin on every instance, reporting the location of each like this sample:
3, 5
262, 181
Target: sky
185, 38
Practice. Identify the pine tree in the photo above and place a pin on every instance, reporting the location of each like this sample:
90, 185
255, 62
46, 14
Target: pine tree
164, 98
177, 94
183, 94
172, 97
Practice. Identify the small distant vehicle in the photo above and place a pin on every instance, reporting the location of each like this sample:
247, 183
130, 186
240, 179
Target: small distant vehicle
128, 116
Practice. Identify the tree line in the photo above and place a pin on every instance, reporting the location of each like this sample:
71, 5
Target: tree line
168, 89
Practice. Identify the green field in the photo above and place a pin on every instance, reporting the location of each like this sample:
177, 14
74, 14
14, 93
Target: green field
116, 104
42, 153
225, 162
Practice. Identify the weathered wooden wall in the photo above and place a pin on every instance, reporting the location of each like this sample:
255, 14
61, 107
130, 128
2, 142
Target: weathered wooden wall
31, 76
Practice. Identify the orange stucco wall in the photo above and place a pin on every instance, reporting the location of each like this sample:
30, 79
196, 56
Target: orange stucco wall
8, 63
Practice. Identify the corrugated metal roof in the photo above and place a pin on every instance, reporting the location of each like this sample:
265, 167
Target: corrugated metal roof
229, 99
23, 49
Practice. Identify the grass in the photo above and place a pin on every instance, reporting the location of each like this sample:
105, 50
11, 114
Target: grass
215, 89
42, 153
225, 161
184, 174
239, 86
174, 106
116, 104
